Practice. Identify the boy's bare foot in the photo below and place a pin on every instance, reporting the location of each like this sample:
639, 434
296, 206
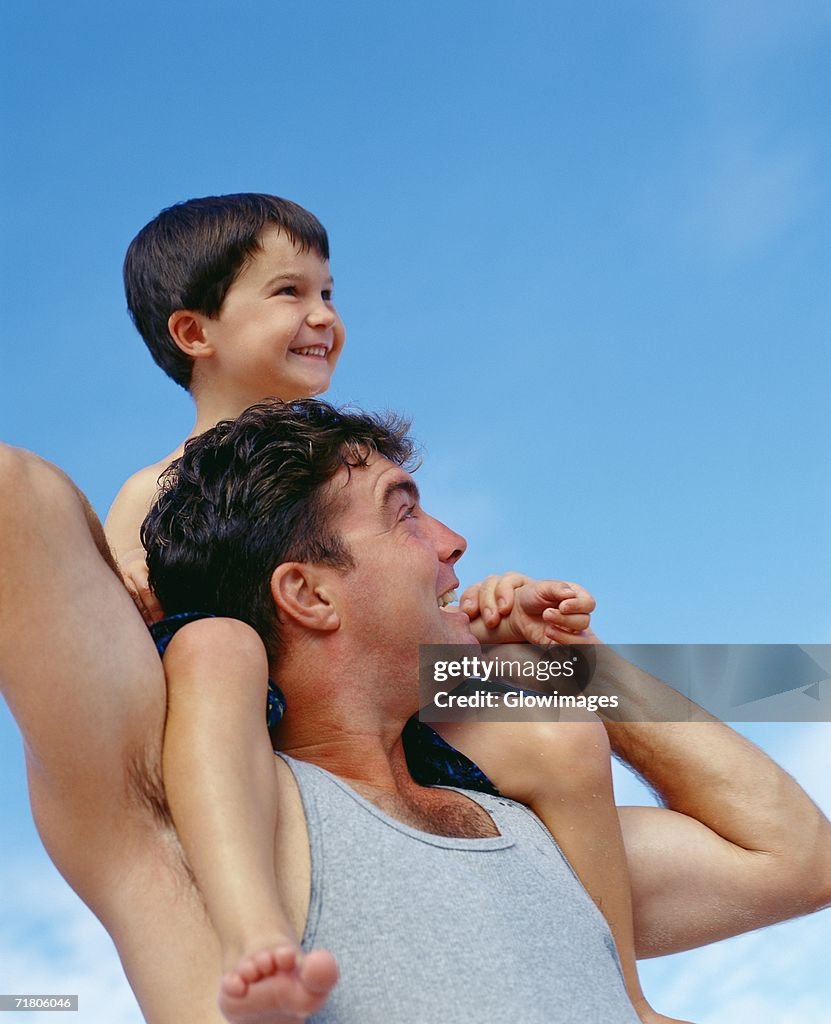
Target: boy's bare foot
277, 986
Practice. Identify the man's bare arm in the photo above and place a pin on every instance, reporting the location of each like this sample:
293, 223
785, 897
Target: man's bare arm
738, 844
82, 678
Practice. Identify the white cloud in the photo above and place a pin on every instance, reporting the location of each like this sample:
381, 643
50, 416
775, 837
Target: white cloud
734, 34
751, 194
754, 171
776, 975
51, 944
805, 752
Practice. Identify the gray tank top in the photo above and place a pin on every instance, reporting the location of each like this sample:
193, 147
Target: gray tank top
435, 930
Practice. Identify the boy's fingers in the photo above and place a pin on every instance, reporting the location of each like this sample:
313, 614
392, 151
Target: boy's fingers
152, 609
580, 600
565, 636
469, 601
550, 593
573, 623
138, 587
504, 589
572, 605
496, 595
487, 600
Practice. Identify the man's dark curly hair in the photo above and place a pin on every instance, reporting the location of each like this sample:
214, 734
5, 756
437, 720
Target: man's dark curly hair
251, 493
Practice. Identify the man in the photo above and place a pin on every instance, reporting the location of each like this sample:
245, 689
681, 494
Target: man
86, 687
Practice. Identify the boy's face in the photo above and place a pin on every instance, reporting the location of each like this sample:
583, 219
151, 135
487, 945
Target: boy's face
278, 333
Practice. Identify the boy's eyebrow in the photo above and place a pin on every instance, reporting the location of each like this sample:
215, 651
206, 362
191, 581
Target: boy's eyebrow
290, 275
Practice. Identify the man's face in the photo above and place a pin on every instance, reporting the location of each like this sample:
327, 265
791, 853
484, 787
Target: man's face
403, 580
278, 333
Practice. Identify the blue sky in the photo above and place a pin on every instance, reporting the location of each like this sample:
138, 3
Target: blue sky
585, 246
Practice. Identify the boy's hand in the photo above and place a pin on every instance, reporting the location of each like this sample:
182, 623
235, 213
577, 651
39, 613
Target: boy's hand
513, 608
134, 576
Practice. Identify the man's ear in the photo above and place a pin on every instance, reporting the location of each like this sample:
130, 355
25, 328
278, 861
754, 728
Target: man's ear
187, 328
300, 592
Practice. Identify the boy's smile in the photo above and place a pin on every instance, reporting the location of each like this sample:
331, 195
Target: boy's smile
277, 333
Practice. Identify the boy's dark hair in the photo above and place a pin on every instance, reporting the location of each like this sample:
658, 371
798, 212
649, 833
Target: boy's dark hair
251, 493
190, 255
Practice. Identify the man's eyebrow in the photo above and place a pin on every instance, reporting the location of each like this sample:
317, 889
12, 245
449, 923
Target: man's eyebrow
406, 487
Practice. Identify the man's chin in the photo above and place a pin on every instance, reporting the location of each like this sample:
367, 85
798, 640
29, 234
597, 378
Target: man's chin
456, 627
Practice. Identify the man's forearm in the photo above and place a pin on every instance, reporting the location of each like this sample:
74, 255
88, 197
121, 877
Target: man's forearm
776, 849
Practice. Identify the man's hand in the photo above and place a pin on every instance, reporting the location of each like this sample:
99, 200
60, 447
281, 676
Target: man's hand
513, 608
134, 576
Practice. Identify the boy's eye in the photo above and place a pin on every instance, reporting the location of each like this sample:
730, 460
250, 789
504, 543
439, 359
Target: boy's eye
326, 294
287, 289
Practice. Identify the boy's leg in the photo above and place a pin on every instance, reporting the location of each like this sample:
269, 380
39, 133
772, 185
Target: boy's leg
85, 684
219, 774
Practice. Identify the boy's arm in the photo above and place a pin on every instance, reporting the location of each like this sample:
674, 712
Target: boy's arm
122, 527
127, 512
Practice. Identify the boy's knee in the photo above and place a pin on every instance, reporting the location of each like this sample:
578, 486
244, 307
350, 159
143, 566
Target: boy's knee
568, 757
575, 744
531, 760
232, 648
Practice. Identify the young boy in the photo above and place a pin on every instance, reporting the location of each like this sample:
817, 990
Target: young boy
233, 296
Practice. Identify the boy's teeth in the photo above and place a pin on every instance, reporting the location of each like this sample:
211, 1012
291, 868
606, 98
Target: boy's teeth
447, 598
314, 350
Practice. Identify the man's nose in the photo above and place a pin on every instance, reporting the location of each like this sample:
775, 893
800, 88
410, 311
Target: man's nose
451, 545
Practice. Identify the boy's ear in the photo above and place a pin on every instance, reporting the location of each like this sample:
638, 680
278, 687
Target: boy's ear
187, 330
301, 594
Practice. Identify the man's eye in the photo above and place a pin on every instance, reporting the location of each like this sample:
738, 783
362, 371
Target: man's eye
410, 512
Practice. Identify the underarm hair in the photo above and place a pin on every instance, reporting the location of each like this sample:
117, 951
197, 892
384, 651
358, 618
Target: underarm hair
144, 781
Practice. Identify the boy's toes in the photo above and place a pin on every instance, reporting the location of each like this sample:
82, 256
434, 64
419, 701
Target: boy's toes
265, 962
248, 969
233, 985
319, 971
285, 958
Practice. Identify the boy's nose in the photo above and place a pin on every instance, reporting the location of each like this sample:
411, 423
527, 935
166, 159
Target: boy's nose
321, 315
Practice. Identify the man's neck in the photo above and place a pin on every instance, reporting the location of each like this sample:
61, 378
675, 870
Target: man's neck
354, 732
363, 754
347, 720
380, 775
